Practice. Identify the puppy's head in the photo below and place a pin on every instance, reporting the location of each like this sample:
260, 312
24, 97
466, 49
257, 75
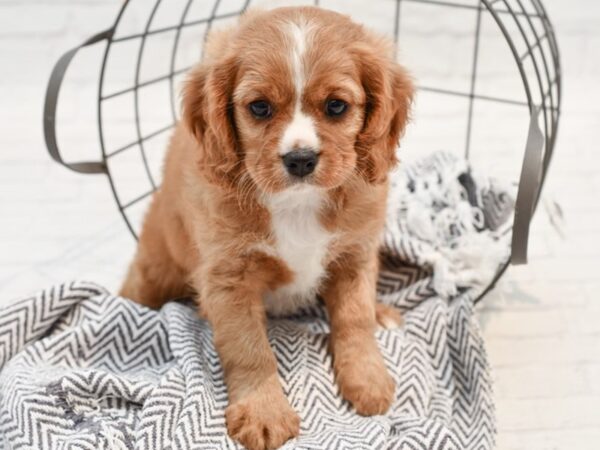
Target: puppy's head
297, 96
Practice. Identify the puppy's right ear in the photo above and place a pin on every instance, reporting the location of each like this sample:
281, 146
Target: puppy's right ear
208, 116
194, 99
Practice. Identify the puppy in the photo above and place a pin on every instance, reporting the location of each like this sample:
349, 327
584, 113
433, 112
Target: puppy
274, 192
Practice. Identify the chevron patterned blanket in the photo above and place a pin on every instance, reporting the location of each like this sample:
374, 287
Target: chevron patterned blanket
83, 369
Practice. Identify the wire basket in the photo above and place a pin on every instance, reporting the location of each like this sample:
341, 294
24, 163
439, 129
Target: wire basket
488, 77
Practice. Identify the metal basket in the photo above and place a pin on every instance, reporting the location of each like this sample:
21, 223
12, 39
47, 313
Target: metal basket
157, 41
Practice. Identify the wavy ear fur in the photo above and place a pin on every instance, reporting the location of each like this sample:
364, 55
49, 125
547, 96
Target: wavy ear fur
389, 92
208, 116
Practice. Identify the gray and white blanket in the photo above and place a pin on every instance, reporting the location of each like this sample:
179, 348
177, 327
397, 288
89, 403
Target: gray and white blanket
81, 368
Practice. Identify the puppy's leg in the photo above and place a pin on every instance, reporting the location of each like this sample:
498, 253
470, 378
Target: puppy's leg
387, 316
359, 367
154, 277
259, 415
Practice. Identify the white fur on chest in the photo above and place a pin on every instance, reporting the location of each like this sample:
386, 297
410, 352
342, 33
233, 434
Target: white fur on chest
302, 243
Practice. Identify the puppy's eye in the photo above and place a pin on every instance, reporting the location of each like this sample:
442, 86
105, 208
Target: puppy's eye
335, 107
260, 109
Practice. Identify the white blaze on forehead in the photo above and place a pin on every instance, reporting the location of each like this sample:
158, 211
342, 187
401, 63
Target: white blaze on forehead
301, 131
299, 34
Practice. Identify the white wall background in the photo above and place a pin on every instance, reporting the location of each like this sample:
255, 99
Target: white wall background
542, 324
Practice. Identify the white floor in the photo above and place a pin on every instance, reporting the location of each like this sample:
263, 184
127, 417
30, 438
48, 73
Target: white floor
541, 324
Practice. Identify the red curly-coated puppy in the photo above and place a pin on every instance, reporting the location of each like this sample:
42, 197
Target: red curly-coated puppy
274, 191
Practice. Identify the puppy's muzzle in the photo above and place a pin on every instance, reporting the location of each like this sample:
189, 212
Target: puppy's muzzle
301, 163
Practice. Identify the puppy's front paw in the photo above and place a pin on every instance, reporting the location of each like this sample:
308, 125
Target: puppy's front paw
366, 383
261, 422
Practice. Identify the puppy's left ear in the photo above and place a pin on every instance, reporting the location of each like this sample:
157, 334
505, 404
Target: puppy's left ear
389, 92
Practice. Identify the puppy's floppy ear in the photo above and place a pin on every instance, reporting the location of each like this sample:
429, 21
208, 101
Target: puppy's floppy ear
389, 92
208, 116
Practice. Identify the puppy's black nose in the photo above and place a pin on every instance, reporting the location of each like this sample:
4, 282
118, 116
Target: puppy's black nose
300, 162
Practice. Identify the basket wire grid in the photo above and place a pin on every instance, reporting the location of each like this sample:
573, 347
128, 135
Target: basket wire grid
523, 25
